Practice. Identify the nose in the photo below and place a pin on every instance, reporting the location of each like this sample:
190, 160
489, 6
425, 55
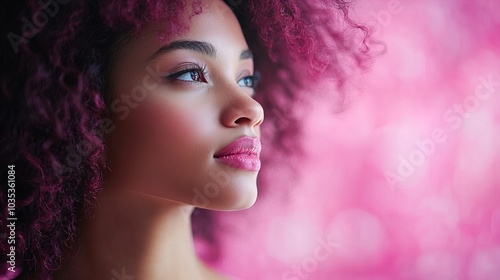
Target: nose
242, 110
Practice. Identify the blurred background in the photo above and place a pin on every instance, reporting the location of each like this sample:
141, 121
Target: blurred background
405, 183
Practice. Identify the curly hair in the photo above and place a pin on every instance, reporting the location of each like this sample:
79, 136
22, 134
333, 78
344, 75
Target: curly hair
56, 57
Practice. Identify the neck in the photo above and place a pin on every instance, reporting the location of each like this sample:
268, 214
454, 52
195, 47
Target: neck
138, 236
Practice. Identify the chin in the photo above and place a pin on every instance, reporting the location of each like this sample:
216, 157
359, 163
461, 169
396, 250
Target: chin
235, 196
242, 194
244, 202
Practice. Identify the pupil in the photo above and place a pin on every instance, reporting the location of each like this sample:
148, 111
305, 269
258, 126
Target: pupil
195, 76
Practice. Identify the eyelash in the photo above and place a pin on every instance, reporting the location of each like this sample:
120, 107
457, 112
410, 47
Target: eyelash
202, 72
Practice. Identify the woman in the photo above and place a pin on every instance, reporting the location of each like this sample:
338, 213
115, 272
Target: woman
121, 117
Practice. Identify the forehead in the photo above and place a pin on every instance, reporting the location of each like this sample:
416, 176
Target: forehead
215, 24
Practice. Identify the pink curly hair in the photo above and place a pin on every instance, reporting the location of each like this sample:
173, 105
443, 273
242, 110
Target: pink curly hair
55, 59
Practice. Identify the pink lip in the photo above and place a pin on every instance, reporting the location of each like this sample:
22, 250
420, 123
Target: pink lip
242, 153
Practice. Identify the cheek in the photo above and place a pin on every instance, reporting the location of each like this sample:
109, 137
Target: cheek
166, 140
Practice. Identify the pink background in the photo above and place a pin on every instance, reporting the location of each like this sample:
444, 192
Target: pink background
404, 184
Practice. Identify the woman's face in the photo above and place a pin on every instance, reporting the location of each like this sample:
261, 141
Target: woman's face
177, 105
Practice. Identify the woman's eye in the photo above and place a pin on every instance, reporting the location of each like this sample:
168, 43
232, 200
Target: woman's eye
191, 76
194, 75
248, 81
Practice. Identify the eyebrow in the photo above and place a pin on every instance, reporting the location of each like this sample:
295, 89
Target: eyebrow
197, 46
246, 54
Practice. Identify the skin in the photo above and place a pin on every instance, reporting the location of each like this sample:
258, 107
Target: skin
161, 152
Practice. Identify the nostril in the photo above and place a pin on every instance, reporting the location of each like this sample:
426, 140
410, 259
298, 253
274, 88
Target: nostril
243, 120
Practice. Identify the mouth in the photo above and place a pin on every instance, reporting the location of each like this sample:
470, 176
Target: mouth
242, 154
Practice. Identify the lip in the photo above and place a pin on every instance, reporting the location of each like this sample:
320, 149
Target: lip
242, 154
